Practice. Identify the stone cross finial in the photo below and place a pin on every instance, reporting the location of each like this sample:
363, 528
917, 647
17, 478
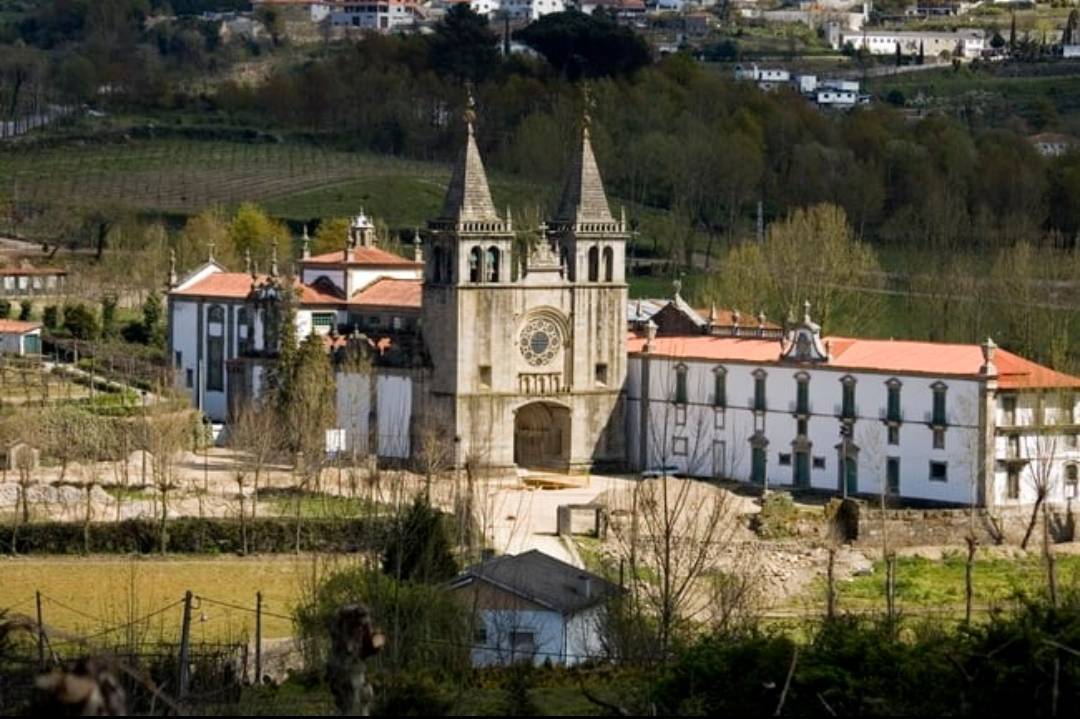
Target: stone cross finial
248, 267
210, 251
806, 311
418, 247
676, 286
622, 218
761, 318
650, 335
989, 348
305, 244
273, 262
172, 268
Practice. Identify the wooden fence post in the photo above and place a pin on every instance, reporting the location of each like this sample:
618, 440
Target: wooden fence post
258, 637
185, 646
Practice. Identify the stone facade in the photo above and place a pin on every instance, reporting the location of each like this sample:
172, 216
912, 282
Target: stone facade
529, 355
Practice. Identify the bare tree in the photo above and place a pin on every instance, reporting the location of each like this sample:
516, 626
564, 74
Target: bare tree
256, 432
1042, 446
167, 434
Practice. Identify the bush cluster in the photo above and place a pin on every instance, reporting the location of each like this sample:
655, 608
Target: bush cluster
196, 536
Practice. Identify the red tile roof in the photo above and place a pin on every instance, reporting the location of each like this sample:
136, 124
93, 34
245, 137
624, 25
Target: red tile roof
360, 256
17, 327
390, 292
892, 356
225, 285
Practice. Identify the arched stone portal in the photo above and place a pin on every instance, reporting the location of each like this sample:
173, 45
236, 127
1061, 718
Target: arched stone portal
542, 436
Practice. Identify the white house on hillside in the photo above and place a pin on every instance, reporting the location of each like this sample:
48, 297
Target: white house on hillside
533, 607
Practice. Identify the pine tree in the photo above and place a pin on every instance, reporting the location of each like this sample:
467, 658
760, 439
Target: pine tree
418, 548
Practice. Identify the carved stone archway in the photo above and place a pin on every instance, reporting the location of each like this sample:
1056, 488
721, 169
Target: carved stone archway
542, 436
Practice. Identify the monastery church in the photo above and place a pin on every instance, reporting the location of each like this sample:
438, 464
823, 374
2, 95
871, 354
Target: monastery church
536, 359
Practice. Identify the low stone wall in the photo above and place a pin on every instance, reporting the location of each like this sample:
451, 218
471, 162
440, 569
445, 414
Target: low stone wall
919, 527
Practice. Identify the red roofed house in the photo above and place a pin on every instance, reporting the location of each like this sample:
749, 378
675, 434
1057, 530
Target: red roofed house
219, 337
945, 423
20, 338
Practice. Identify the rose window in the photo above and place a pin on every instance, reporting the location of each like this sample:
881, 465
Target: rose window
540, 340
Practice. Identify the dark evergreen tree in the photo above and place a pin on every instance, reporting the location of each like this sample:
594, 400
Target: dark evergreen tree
418, 548
464, 46
579, 45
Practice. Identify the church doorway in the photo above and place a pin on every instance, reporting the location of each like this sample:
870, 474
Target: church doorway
542, 436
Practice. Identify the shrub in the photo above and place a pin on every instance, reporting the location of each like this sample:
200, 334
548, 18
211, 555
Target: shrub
26, 308
192, 535
777, 517
51, 317
427, 628
5, 309
81, 322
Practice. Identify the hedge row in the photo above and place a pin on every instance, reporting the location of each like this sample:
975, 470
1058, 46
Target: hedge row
195, 536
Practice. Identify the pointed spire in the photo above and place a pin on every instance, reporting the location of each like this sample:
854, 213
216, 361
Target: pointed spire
468, 197
583, 199
509, 220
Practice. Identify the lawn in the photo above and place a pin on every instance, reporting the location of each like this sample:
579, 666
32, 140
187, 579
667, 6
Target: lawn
89, 595
928, 584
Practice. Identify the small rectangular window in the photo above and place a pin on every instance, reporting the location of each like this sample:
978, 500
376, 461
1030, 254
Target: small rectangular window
785, 460
759, 394
179, 360
485, 375
681, 393
189, 378
718, 418
892, 475
894, 436
939, 439
323, 319
1013, 483
601, 373
819, 463
939, 472
720, 389
680, 446
680, 415
801, 427
1008, 408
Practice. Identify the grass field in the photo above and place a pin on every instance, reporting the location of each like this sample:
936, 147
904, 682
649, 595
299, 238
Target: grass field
928, 584
89, 595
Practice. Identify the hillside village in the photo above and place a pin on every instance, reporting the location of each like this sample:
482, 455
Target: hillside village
539, 357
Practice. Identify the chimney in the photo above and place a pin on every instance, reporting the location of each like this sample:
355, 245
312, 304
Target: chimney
989, 369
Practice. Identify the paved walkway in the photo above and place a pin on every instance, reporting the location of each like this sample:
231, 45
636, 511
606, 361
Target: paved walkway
525, 518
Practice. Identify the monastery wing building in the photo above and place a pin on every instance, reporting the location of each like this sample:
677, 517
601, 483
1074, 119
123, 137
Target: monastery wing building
514, 348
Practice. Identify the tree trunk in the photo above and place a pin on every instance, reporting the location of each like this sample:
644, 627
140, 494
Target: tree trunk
1033, 520
969, 586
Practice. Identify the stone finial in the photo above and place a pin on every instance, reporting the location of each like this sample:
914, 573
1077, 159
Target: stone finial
273, 262
650, 335
210, 251
172, 269
305, 244
676, 287
622, 218
806, 311
712, 314
735, 316
637, 313
761, 319
418, 246
509, 220
989, 348
248, 267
